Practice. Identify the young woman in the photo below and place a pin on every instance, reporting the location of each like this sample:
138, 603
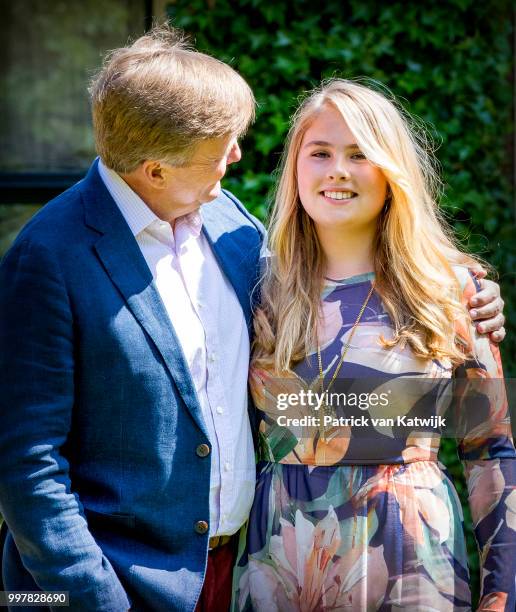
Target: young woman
366, 283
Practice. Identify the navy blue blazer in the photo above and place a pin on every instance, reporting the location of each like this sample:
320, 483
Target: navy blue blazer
100, 483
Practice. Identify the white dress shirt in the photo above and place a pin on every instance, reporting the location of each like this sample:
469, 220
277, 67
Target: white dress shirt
211, 329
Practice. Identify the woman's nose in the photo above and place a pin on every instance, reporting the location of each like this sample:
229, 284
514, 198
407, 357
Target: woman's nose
338, 170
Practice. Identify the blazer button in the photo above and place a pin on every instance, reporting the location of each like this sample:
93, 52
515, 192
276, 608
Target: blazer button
201, 527
203, 450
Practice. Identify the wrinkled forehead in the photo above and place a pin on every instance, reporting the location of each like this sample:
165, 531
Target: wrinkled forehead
213, 148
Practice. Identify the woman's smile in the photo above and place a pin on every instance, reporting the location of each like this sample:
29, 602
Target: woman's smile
338, 186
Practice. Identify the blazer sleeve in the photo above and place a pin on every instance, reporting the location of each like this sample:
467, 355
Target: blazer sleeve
487, 451
43, 513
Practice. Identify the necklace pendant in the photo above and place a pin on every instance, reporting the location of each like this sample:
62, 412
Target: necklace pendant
326, 415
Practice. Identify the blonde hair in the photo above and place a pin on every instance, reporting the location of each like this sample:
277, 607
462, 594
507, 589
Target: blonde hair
413, 252
159, 98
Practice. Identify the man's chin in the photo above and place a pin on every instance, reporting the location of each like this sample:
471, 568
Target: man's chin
213, 193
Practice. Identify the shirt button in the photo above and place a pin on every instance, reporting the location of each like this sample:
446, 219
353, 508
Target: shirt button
227, 466
201, 527
203, 450
212, 357
220, 410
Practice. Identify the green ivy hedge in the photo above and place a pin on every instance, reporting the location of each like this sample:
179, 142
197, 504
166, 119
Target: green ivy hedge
449, 62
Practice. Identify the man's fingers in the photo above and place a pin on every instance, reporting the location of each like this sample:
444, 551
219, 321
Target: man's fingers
491, 325
478, 271
498, 336
489, 292
486, 312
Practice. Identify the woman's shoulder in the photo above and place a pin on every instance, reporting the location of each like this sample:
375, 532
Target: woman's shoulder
464, 275
484, 355
468, 283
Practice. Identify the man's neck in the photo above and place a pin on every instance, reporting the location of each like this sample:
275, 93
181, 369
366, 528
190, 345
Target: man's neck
150, 199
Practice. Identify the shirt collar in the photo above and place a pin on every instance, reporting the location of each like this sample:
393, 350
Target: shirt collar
134, 210
192, 222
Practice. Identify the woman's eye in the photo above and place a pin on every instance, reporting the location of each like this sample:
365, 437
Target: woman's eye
358, 155
321, 154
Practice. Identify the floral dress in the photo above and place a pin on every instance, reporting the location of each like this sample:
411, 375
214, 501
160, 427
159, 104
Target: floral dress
345, 522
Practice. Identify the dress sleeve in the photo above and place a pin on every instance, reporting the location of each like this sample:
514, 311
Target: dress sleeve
487, 451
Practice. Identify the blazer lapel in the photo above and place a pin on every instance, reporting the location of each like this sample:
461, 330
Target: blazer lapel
120, 255
235, 250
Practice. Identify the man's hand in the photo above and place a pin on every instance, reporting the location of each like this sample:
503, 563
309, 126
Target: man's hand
485, 308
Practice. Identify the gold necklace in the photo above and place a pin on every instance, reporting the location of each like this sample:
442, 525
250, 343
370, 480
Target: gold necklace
346, 346
342, 357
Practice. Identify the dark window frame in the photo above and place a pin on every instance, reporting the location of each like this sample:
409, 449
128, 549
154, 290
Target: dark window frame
39, 187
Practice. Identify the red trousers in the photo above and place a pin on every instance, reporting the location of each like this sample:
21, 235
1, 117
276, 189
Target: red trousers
216, 591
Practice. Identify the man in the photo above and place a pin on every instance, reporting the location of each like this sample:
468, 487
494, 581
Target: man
126, 445
127, 457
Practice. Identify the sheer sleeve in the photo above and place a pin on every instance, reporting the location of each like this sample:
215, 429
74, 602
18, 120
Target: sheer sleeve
487, 451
